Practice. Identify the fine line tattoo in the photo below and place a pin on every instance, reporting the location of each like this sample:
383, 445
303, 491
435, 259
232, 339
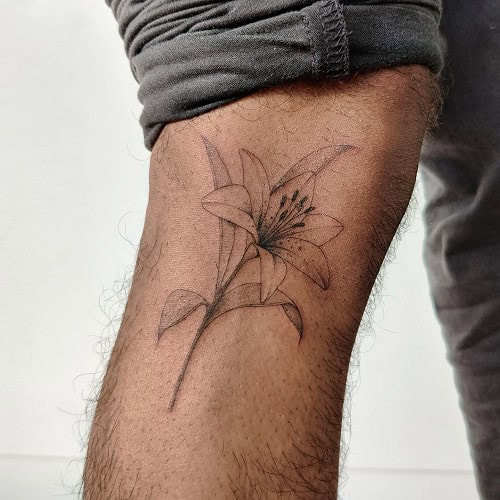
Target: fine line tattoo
279, 225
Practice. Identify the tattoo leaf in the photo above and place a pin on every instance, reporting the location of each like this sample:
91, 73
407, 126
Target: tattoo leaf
294, 316
178, 306
249, 295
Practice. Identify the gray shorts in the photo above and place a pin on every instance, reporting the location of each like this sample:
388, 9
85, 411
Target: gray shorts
190, 56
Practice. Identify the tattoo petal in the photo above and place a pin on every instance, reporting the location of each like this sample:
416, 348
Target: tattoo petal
221, 178
231, 203
240, 245
219, 169
314, 162
306, 257
226, 244
272, 273
317, 229
178, 306
257, 184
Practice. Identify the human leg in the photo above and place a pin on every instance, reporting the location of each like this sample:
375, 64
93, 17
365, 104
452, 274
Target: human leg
461, 173
257, 413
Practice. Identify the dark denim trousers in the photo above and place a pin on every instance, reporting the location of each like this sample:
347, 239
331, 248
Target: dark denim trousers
190, 56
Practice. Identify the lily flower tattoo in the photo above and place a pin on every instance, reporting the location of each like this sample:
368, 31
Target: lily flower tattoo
279, 225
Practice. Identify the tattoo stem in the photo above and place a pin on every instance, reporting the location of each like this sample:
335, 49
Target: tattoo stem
219, 293
186, 362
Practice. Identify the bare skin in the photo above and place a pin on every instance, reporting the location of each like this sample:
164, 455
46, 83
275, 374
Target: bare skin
211, 395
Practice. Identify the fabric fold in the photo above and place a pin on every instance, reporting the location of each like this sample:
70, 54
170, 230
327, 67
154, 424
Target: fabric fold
191, 56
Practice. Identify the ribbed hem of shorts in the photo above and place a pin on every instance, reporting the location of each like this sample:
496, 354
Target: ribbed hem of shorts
328, 34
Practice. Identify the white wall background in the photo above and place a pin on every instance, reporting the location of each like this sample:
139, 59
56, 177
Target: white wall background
74, 176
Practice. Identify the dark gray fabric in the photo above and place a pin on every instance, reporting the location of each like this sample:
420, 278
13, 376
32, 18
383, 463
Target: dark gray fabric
190, 56
461, 172
393, 34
